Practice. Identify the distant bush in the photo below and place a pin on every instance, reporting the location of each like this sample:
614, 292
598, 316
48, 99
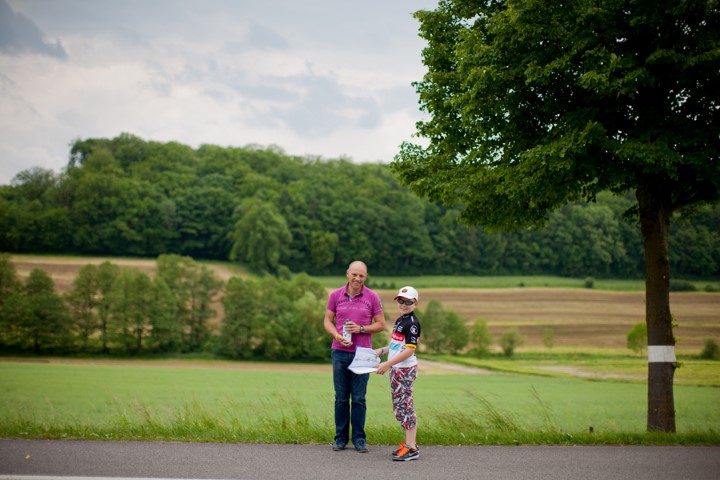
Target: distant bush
549, 338
510, 341
637, 338
444, 331
589, 282
480, 338
381, 285
711, 350
682, 286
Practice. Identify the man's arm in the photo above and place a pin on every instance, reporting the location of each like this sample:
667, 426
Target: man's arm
377, 325
330, 323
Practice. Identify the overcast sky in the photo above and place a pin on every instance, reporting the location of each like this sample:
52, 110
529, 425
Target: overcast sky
325, 78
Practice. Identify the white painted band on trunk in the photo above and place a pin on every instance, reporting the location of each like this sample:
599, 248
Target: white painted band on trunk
661, 354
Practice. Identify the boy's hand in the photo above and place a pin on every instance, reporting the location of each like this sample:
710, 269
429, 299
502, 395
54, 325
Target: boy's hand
382, 368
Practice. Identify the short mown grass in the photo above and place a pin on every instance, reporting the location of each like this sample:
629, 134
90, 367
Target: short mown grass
230, 404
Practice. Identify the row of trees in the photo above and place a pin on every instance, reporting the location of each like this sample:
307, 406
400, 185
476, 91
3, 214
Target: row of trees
116, 310
127, 196
120, 310
109, 309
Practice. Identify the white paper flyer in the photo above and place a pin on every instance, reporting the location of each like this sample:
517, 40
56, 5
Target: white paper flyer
365, 361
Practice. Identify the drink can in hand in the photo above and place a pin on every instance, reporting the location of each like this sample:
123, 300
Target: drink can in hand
347, 336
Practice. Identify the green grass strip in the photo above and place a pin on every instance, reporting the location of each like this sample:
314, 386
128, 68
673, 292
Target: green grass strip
137, 402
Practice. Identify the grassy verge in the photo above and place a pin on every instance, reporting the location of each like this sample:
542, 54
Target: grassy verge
230, 404
610, 368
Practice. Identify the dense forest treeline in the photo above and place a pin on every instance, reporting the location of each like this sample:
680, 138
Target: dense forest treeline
129, 197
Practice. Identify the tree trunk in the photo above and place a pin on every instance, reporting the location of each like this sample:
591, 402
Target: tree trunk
655, 210
103, 330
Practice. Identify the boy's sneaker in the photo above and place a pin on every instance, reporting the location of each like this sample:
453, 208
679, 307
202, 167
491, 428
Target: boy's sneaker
395, 452
338, 445
405, 454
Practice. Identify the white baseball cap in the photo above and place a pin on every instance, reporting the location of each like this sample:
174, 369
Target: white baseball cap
407, 292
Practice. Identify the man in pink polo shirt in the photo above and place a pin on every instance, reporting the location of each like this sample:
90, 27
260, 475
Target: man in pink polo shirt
360, 309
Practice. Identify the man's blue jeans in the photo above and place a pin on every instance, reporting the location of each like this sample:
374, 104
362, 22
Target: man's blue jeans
348, 385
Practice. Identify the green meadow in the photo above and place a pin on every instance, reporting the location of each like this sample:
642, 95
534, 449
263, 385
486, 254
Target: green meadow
510, 281
217, 401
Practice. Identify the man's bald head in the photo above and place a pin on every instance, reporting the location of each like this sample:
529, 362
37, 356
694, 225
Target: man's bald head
358, 265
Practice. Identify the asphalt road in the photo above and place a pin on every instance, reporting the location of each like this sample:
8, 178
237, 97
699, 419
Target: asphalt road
45, 459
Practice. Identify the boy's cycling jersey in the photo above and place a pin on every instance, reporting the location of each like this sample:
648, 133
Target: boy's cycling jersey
405, 334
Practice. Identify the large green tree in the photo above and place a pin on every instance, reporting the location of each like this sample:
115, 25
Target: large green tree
10, 301
9, 282
239, 327
261, 235
44, 318
106, 275
82, 301
535, 104
194, 288
166, 332
132, 305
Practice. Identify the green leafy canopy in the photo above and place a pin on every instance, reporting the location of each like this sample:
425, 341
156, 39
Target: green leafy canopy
534, 104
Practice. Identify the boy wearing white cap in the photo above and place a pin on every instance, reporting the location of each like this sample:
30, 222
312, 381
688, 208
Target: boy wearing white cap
402, 363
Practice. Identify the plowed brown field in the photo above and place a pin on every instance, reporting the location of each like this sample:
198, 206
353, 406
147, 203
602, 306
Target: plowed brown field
579, 318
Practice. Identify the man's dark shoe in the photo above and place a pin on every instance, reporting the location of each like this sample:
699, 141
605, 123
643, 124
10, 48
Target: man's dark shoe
338, 445
361, 447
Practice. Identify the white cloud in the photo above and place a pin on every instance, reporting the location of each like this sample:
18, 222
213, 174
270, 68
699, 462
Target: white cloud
319, 77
